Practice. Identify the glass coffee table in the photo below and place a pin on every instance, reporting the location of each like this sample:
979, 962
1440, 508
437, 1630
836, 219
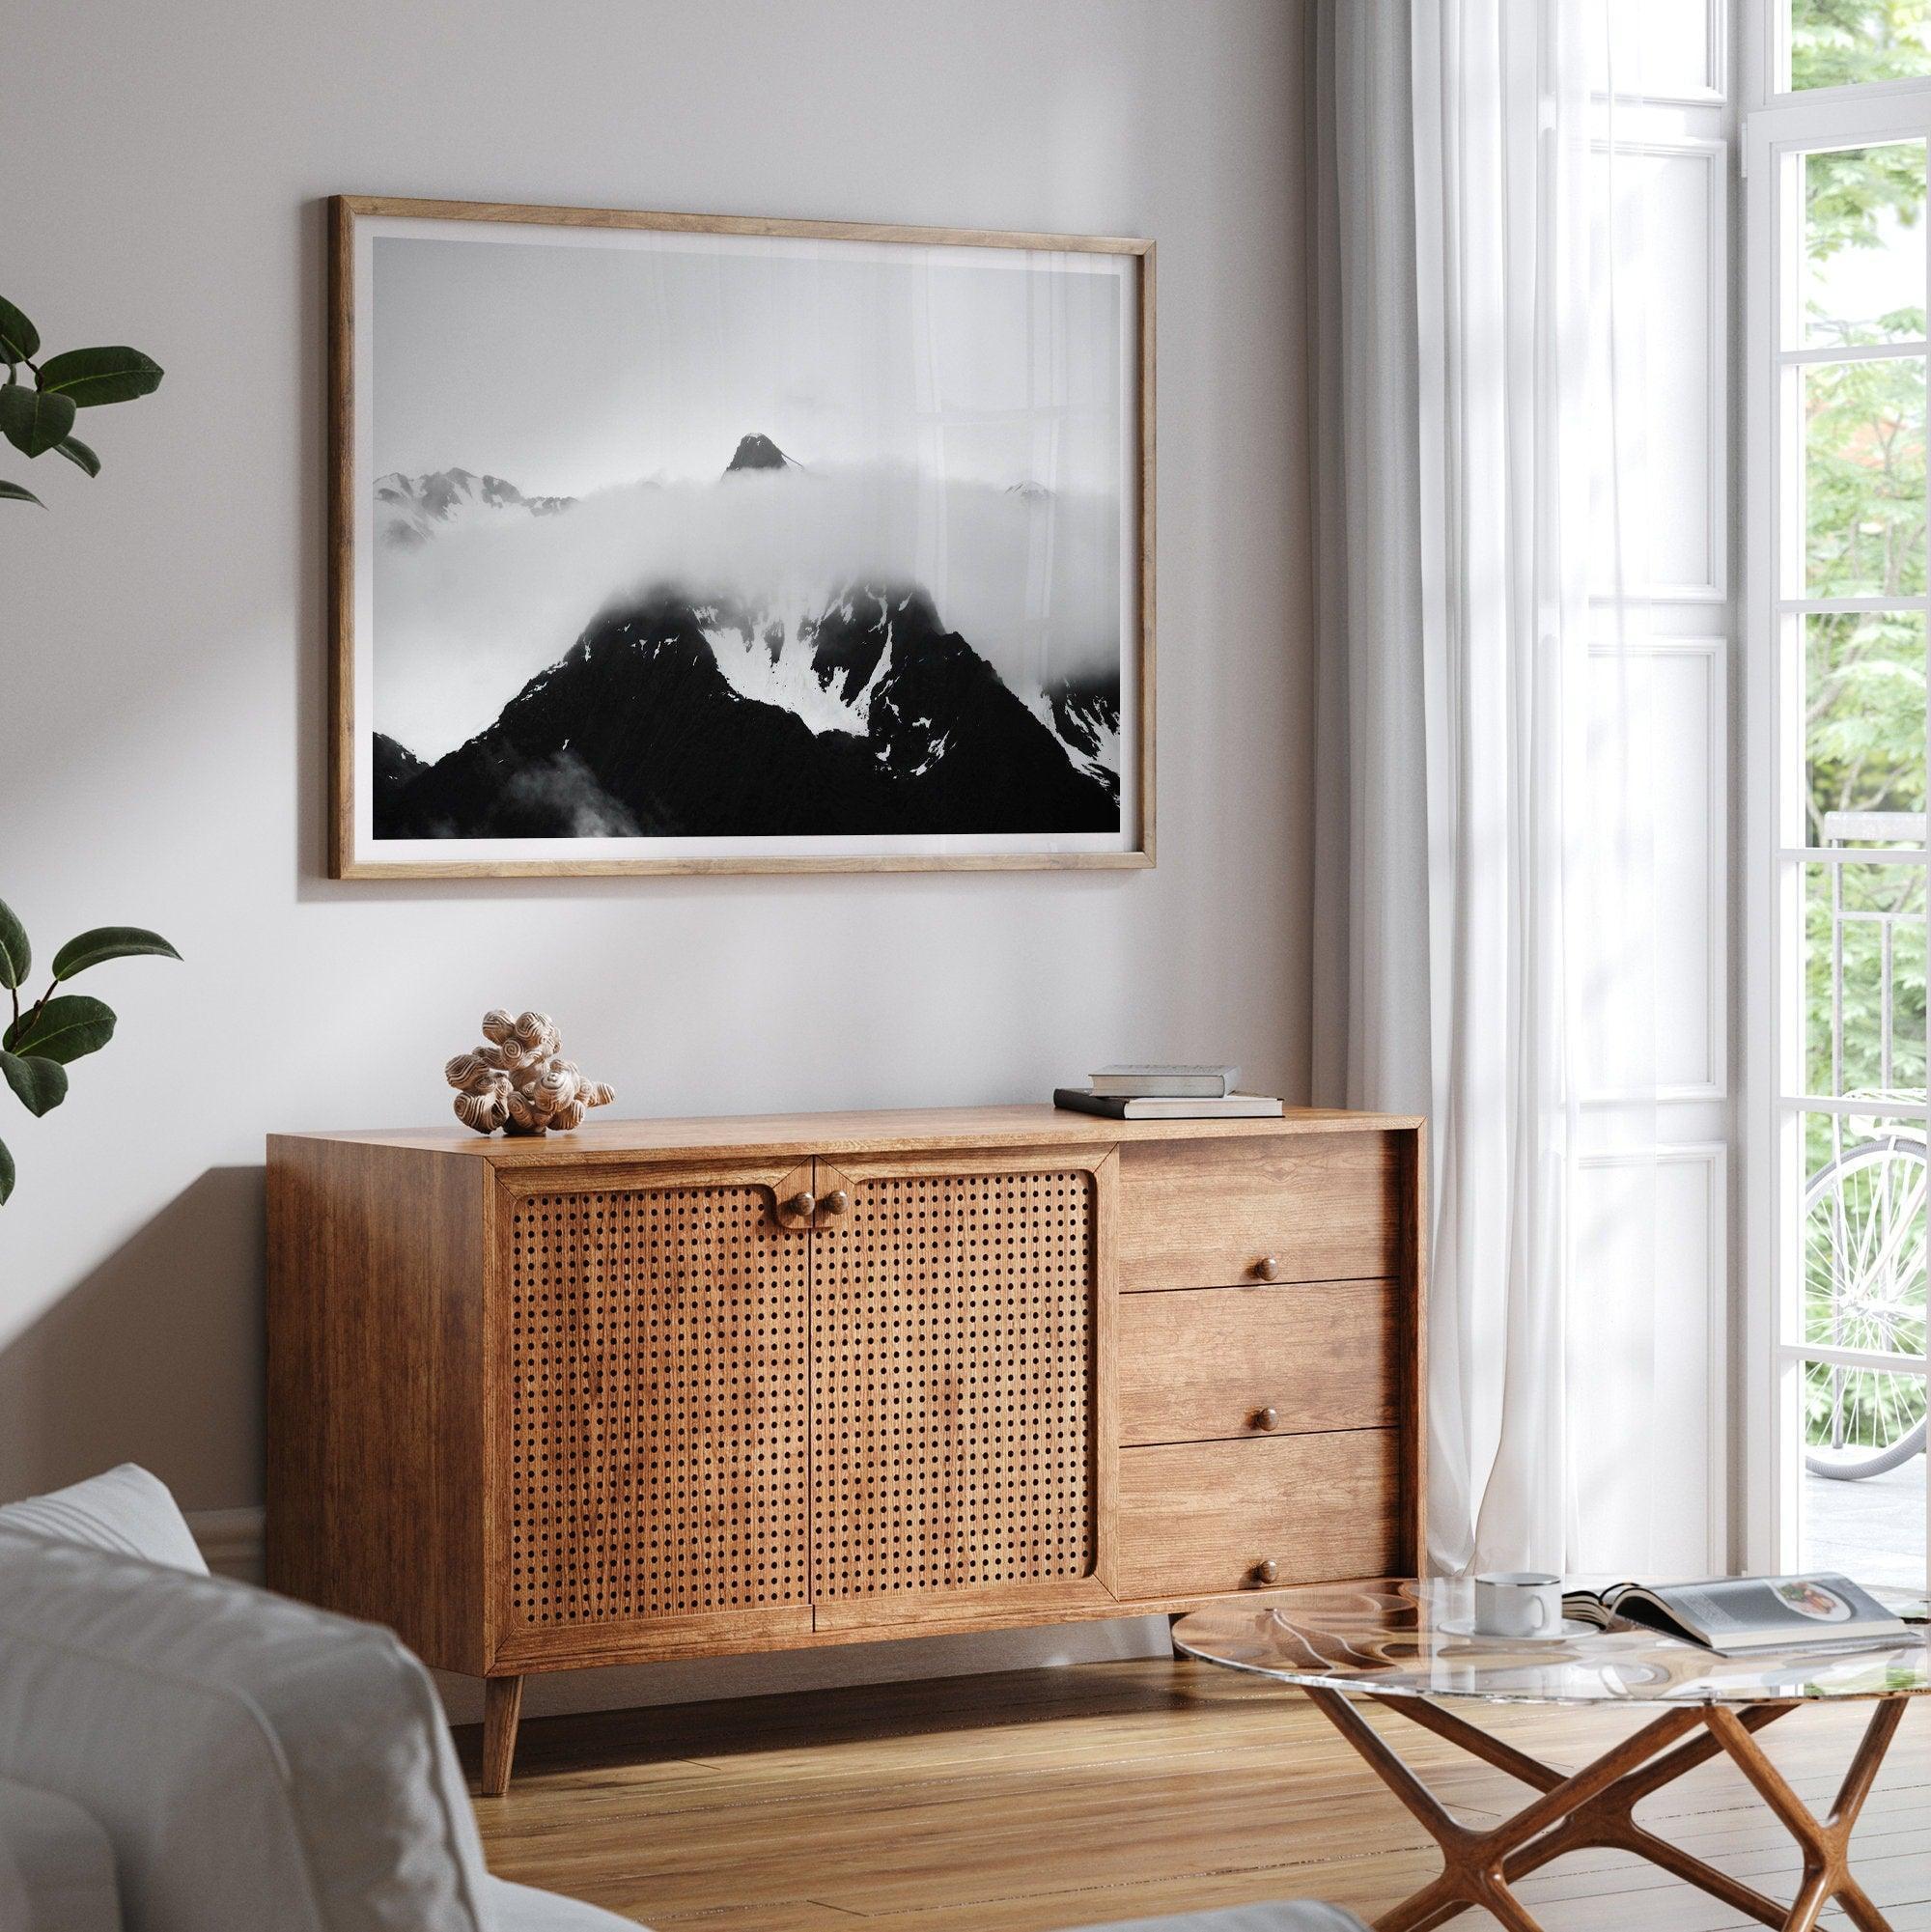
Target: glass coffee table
1407, 1646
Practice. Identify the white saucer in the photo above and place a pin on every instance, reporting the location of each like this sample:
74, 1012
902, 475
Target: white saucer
1463, 1626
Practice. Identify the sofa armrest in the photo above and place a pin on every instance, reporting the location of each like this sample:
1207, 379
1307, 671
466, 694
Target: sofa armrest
56, 1865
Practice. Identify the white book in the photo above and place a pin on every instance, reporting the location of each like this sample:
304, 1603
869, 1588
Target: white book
1167, 1107
1737, 1616
1169, 1081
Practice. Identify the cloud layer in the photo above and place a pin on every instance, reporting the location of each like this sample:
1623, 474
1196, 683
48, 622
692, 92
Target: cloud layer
1030, 579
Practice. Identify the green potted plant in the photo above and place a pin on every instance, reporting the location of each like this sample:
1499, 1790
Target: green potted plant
39, 402
47, 1035
37, 415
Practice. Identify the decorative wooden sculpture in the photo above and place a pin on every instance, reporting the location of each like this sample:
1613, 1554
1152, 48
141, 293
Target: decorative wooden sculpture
518, 1079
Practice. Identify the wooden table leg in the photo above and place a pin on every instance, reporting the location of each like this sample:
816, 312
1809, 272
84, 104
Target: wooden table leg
1610, 1821
1825, 1843
503, 1706
1475, 1864
1595, 1807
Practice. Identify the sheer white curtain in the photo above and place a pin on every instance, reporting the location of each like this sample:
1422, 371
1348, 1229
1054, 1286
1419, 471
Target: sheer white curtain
1476, 925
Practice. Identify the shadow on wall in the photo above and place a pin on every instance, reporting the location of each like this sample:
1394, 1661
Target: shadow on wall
156, 1358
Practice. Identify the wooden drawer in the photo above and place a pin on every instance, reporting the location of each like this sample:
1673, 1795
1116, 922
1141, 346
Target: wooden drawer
1200, 1517
1302, 1206
1199, 1363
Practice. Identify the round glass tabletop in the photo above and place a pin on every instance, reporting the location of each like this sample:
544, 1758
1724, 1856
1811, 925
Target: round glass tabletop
1403, 1639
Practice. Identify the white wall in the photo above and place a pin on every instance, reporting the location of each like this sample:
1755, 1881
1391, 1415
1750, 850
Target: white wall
161, 729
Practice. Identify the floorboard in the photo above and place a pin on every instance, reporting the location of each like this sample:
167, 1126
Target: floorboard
1051, 1799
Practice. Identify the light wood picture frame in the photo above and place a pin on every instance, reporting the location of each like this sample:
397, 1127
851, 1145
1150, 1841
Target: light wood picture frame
677, 544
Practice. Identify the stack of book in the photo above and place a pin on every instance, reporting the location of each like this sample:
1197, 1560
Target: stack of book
1167, 1093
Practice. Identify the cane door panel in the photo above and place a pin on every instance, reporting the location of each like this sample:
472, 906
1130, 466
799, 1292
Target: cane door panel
658, 1409
957, 1388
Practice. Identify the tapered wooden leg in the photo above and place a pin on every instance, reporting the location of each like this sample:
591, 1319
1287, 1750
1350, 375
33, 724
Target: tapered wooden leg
1475, 1864
1595, 1806
503, 1706
1825, 1843
1859, 1909
1608, 1820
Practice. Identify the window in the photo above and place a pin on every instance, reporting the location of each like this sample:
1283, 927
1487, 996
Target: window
1836, 302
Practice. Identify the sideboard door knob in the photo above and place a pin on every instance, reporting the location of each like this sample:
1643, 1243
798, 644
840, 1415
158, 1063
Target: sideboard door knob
803, 1205
1268, 1267
835, 1202
1268, 1418
1266, 1570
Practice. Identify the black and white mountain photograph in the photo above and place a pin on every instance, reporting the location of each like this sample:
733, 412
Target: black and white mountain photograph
685, 547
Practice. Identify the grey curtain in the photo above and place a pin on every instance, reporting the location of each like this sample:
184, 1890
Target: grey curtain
1372, 1033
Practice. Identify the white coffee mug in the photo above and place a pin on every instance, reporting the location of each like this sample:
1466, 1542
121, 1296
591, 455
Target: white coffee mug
1518, 1603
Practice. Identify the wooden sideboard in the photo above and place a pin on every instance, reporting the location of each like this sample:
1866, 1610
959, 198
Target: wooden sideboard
671, 1388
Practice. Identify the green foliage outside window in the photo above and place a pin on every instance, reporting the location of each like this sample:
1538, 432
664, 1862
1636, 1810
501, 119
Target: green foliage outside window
1847, 43
1864, 536
1863, 475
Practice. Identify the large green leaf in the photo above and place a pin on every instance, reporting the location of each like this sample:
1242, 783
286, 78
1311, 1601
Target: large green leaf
6, 1174
108, 942
64, 1030
90, 377
34, 420
11, 492
40, 1083
19, 342
17, 956
77, 453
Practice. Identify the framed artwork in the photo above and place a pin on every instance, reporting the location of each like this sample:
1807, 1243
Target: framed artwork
670, 543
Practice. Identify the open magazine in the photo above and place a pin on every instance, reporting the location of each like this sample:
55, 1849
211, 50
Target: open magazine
1736, 1616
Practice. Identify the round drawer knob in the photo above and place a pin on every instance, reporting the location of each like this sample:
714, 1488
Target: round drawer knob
1266, 1570
835, 1202
1268, 1267
803, 1206
1267, 1418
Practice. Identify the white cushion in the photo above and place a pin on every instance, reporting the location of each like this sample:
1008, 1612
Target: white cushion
125, 1509
255, 1762
521, 1908
56, 1866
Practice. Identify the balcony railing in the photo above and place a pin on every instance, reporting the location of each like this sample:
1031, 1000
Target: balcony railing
1865, 1223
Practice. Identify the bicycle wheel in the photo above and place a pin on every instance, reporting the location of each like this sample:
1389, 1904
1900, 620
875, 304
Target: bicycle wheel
1864, 1288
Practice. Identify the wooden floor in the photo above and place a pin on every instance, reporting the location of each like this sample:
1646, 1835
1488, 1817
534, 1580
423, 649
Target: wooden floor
1063, 1797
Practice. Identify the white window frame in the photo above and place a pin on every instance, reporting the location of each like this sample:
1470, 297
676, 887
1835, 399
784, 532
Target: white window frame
1777, 127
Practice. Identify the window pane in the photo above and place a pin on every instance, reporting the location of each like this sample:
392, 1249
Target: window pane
1863, 478
1651, 47
1864, 979
1863, 1510
1864, 729
1864, 245
1841, 42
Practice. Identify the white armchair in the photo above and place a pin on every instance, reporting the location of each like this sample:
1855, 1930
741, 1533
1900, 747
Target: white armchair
184, 1754
56, 1865
247, 1760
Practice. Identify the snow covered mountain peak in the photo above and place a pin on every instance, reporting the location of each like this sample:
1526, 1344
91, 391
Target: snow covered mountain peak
796, 651
409, 510
758, 451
